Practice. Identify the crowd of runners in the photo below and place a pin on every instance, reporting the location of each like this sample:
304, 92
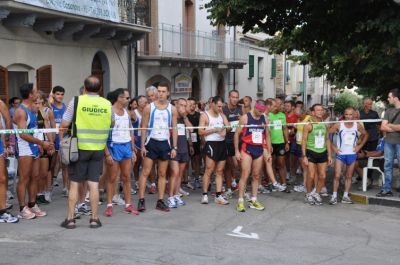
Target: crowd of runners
243, 146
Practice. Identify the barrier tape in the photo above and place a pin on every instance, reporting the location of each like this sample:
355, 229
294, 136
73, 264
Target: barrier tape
56, 130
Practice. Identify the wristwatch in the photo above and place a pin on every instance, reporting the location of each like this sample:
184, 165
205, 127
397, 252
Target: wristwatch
175, 148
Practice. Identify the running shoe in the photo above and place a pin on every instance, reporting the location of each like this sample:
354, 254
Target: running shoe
8, 218
256, 205
228, 194
262, 190
131, 210
204, 199
247, 196
333, 200
109, 211
161, 206
83, 209
27, 214
47, 196
133, 191
179, 201
171, 202
347, 200
324, 192
299, 188
141, 205
317, 198
286, 188
65, 192
277, 186
309, 199
55, 183
384, 194
197, 184
40, 199
77, 215
189, 186
183, 192
37, 211
153, 189
117, 200
221, 200
10, 196
240, 206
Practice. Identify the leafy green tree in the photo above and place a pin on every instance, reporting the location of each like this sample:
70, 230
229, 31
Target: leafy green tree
345, 100
353, 42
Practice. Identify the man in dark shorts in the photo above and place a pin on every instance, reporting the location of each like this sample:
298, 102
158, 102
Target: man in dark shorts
194, 118
93, 121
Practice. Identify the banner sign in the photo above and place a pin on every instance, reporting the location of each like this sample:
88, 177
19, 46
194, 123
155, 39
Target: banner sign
183, 83
101, 9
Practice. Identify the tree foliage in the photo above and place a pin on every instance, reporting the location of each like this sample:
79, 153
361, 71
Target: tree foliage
345, 100
353, 42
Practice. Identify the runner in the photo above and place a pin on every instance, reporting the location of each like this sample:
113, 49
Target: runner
157, 118
120, 153
215, 147
232, 111
316, 151
194, 118
346, 150
251, 153
291, 160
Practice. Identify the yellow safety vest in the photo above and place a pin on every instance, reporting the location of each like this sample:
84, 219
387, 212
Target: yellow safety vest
93, 121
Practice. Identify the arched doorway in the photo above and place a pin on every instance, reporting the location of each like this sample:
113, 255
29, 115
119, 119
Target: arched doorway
220, 86
155, 80
196, 90
100, 69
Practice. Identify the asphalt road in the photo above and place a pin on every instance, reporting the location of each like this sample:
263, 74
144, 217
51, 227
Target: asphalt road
287, 232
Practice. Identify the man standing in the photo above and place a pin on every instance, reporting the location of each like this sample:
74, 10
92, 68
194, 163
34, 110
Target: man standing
391, 125
152, 95
232, 111
316, 151
215, 147
291, 159
119, 152
157, 119
93, 121
372, 128
28, 153
194, 119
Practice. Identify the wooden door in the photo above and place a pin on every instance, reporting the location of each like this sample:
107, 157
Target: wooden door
4, 84
44, 79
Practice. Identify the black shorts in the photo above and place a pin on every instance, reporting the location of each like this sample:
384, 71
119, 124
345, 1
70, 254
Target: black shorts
88, 167
216, 150
316, 158
230, 149
158, 150
181, 157
278, 149
196, 149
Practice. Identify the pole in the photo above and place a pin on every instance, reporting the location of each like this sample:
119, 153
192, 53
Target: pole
234, 56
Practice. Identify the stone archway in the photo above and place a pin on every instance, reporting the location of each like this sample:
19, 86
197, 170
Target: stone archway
156, 79
101, 69
221, 86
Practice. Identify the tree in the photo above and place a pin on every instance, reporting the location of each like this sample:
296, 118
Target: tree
346, 99
352, 42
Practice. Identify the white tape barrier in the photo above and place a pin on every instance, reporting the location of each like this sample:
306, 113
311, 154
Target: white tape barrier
56, 130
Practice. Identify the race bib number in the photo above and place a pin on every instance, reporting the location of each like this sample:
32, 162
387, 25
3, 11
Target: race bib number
234, 125
181, 129
256, 137
349, 139
277, 125
194, 137
319, 141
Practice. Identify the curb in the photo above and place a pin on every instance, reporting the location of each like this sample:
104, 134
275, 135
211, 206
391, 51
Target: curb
372, 200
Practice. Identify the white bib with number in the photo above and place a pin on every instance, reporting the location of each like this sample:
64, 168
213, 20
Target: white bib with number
277, 125
319, 141
349, 139
299, 137
256, 137
234, 125
194, 137
181, 129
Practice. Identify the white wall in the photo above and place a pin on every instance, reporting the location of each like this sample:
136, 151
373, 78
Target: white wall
170, 12
71, 60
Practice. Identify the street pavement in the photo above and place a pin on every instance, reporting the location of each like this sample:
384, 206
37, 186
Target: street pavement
287, 232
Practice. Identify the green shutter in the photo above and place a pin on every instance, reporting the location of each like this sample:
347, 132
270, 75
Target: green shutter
273, 68
251, 66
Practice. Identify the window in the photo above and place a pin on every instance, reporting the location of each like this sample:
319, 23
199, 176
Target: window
43, 77
273, 68
251, 66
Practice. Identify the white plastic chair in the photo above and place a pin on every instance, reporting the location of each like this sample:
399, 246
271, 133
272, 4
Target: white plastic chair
370, 165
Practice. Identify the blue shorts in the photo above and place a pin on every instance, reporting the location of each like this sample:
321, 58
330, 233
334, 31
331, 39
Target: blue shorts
57, 142
158, 150
295, 149
120, 151
1, 148
255, 151
347, 159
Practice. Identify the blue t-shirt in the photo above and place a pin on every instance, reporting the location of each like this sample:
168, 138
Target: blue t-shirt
381, 145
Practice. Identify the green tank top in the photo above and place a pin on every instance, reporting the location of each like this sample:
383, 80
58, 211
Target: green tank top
316, 140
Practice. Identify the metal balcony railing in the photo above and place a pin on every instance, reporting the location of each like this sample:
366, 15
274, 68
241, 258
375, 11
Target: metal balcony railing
134, 12
174, 41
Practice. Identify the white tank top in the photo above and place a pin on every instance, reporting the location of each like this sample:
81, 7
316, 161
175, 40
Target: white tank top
159, 122
121, 122
347, 139
214, 123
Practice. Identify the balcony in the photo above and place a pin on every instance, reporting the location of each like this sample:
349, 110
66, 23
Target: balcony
126, 21
175, 46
